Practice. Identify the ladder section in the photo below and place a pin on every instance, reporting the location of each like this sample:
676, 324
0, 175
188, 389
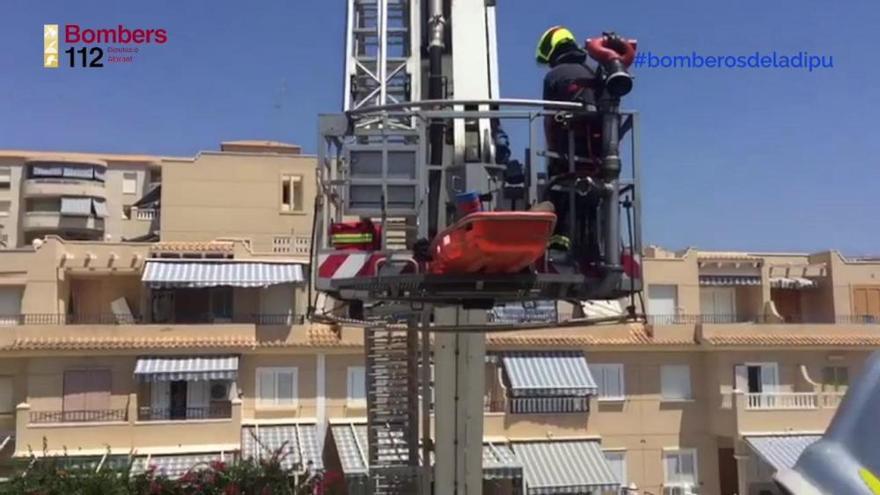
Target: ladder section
392, 409
382, 57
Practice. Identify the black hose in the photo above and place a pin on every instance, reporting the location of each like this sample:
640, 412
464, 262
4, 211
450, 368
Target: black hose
310, 309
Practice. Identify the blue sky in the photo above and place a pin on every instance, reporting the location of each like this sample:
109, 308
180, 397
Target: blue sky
757, 159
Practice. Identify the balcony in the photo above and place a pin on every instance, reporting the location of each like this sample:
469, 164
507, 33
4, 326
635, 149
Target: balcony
92, 436
782, 411
55, 221
56, 186
761, 319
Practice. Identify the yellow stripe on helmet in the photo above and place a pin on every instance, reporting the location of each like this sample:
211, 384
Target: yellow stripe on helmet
550, 40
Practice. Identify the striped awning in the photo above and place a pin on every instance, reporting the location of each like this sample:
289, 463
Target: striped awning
297, 444
351, 445
164, 369
220, 273
175, 466
792, 283
80, 207
780, 451
100, 207
729, 280
568, 466
47, 170
544, 374
78, 172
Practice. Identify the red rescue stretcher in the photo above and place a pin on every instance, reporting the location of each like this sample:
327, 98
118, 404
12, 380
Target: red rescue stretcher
492, 242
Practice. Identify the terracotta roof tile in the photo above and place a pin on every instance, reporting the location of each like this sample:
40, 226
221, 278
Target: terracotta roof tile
636, 335
192, 247
776, 339
726, 255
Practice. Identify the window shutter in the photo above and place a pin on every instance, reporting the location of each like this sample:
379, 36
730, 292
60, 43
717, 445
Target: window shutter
741, 378
286, 380
160, 397
357, 384
265, 386
198, 395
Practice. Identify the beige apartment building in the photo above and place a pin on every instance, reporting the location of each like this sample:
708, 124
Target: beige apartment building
189, 344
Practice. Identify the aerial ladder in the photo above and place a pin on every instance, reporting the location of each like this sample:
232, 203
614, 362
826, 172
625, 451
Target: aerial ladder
422, 112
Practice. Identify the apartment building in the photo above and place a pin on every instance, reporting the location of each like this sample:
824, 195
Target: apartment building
259, 191
190, 344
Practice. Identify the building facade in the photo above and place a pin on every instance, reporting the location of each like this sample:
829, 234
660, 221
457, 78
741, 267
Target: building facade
193, 345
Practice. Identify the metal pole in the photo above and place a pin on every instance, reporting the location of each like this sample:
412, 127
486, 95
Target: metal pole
611, 174
426, 400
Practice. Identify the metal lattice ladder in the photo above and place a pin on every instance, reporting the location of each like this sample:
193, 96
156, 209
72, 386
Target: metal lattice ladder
392, 409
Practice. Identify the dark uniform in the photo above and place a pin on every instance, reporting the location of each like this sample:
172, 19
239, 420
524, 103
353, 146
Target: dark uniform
570, 79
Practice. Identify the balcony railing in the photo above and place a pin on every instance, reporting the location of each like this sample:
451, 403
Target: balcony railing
694, 319
538, 405
219, 410
146, 214
782, 400
93, 416
125, 319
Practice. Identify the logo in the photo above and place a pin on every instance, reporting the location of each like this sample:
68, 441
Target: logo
87, 46
50, 46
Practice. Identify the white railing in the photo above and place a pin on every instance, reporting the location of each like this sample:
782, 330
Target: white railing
831, 400
145, 214
782, 400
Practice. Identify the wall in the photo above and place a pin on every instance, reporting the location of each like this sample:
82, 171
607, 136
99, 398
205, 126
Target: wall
682, 272
233, 195
337, 386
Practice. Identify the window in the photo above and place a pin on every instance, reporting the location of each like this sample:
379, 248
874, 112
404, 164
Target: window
5, 178
276, 386
757, 378
357, 386
675, 382
663, 303
680, 467
609, 378
7, 396
129, 183
718, 304
835, 378
616, 460
291, 193
4, 208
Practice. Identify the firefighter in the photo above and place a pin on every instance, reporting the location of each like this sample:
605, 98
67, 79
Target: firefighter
569, 79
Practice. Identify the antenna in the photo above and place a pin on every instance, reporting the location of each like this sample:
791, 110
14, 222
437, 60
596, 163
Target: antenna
279, 107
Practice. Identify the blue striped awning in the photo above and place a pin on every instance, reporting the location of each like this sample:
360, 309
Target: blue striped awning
567, 466
164, 369
298, 443
351, 445
546, 374
78, 171
781, 451
729, 280
220, 273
